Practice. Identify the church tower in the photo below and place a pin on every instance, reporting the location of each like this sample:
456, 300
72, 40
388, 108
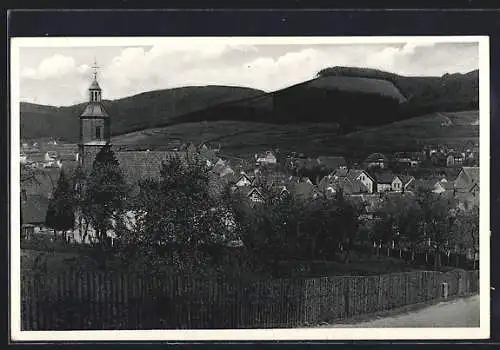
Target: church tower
94, 125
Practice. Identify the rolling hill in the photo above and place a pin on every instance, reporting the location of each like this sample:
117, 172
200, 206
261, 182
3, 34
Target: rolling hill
142, 111
242, 139
341, 100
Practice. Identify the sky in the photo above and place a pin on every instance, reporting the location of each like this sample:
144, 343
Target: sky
60, 76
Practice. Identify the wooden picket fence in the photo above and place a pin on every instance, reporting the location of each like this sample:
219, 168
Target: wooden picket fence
95, 300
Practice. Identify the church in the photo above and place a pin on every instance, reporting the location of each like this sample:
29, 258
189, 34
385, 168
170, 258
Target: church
136, 162
95, 132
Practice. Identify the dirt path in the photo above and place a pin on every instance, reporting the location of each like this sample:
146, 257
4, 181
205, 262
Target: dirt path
456, 313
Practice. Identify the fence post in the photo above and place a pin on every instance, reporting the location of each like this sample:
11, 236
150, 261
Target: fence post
346, 297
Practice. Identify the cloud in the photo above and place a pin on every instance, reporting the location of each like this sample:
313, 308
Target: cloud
133, 70
52, 67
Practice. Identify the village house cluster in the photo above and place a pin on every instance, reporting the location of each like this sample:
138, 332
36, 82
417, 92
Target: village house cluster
369, 182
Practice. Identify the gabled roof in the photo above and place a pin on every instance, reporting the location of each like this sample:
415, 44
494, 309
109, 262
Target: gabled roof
472, 173
384, 177
255, 190
241, 176
406, 179
139, 165
351, 186
94, 109
429, 184
60, 148
353, 174
35, 157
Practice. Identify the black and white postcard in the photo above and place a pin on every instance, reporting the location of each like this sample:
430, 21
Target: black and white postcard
250, 188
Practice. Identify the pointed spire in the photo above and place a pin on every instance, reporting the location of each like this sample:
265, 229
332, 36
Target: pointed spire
95, 67
95, 85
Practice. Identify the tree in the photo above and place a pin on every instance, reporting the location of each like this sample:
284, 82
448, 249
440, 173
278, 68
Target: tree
270, 230
179, 209
466, 230
437, 214
349, 223
398, 221
60, 214
83, 217
105, 192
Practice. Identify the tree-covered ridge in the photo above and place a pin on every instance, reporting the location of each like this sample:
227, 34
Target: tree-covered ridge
345, 101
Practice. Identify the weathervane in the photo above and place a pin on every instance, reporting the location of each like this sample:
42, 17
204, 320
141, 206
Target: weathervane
95, 67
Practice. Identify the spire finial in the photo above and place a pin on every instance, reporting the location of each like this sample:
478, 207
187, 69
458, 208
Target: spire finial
95, 67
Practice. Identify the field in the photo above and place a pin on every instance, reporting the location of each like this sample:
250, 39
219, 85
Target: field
413, 134
243, 139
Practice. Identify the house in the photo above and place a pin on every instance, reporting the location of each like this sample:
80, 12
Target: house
255, 196
467, 186
270, 179
467, 178
384, 181
446, 121
407, 159
435, 186
23, 158
208, 157
407, 182
439, 159
33, 211
244, 180
376, 160
306, 180
284, 192
396, 184
266, 158
349, 181
363, 177
332, 162
455, 159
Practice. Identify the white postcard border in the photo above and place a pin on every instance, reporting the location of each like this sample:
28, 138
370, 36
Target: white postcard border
481, 332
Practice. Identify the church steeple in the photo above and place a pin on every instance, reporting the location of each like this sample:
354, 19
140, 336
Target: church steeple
94, 124
95, 89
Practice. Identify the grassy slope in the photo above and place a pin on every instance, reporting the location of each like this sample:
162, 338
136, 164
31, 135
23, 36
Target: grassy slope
245, 138
412, 134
